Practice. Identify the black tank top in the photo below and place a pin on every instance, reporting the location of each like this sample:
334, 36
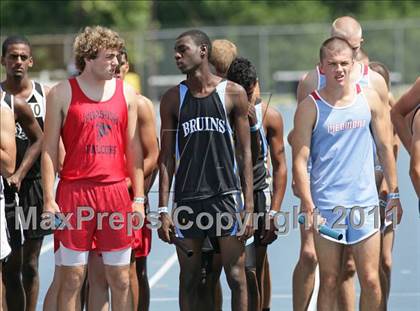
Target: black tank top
260, 168
205, 159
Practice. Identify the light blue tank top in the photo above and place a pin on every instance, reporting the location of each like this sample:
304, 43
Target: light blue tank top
363, 81
342, 171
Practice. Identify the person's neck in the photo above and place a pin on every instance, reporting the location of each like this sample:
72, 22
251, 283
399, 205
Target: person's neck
335, 95
201, 79
17, 86
89, 79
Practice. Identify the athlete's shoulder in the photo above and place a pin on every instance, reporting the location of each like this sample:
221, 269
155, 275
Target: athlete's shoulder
169, 102
145, 100
272, 117
307, 84
234, 88
415, 89
60, 93
62, 86
378, 83
371, 96
130, 93
145, 106
171, 95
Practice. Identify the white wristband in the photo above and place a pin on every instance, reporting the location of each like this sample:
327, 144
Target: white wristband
272, 213
255, 127
162, 209
139, 200
393, 195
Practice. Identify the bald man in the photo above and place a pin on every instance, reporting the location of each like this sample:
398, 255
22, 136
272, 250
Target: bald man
348, 28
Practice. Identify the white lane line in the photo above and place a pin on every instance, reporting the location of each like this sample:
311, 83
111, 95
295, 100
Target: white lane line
46, 247
163, 270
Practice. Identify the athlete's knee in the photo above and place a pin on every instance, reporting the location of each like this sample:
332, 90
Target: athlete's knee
251, 274
73, 280
119, 280
189, 281
308, 259
30, 270
370, 281
121, 283
329, 281
236, 278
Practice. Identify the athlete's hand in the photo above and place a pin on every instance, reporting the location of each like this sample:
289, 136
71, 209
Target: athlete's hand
312, 217
248, 228
138, 209
317, 221
50, 209
15, 180
394, 205
252, 115
269, 236
167, 228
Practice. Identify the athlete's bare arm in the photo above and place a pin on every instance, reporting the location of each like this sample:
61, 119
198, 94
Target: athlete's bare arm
382, 133
133, 148
304, 121
402, 108
58, 101
273, 122
237, 101
61, 149
415, 155
378, 83
306, 86
7, 142
147, 133
26, 118
168, 115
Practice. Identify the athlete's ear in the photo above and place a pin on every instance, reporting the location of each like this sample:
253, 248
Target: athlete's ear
3, 62
203, 50
31, 62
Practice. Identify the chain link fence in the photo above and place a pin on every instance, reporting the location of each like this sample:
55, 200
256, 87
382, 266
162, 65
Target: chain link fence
280, 53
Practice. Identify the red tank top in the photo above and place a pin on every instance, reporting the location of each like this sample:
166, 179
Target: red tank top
94, 136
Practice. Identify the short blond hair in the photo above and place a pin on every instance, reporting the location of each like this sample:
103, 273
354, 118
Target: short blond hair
92, 39
222, 55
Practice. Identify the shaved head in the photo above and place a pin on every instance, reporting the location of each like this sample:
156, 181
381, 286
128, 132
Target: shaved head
348, 28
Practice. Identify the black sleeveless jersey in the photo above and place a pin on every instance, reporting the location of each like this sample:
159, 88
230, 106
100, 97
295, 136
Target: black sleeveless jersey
260, 170
37, 103
205, 159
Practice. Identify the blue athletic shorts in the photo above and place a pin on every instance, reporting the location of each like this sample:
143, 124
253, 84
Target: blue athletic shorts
356, 224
